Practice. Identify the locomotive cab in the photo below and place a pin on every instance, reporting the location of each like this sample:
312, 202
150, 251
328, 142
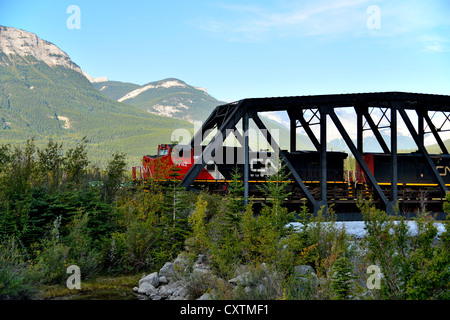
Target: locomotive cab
164, 150
146, 170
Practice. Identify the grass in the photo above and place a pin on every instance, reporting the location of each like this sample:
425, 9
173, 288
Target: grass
97, 288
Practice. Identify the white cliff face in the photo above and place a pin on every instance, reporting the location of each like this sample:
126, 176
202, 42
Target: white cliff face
23, 43
162, 84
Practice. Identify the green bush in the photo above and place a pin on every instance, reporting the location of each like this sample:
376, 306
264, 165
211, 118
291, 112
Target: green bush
413, 266
15, 277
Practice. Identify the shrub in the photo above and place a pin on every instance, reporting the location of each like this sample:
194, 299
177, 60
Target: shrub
413, 266
15, 278
259, 282
51, 261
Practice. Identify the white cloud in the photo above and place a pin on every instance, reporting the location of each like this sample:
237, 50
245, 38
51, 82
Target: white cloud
277, 116
435, 43
330, 18
293, 20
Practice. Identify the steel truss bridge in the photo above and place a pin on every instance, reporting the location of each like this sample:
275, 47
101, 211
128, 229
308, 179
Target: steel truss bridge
307, 111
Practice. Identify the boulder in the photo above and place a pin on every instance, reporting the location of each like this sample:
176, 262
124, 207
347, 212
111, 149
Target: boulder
205, 296
182, 292
306, 276
152, 279
168, 270
155, 297
303, 270
240, 279
200, 268
163, 280
147, 289
171, 289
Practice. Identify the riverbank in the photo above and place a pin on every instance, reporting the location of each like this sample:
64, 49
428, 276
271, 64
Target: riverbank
99, 288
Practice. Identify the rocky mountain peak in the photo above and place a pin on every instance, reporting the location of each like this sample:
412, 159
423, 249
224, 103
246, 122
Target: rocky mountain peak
23, 43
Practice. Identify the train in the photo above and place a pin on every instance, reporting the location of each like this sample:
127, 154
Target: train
416, 183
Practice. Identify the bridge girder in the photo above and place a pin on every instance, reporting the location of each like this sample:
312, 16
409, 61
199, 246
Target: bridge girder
225, 118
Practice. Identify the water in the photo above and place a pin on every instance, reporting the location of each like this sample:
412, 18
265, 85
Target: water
102, 294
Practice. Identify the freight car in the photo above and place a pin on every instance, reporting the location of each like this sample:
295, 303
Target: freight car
415, 178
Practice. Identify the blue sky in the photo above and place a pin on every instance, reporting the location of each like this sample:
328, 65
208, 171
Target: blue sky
243, 49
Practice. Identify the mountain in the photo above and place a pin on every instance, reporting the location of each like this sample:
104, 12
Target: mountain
44, 94
175, 98
348, 118
168, 97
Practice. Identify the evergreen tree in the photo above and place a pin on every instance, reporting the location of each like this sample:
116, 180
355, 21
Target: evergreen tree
342, 278
5, 157
174, 197
174, 212
76, 162
50, 164
113, 176
199, 227
226, 231
274, 189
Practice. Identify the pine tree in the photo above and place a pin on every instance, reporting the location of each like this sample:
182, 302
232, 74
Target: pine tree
174, 201
199, 228
275, 188
114, 175
234, 201
174, 207
342, 278
50, 164
76, 162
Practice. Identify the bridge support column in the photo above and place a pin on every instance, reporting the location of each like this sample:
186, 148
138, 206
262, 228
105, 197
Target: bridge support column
245, 125
394, 171
323, 157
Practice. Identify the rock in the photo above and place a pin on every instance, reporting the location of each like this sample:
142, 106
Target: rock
181, 262
166, 291
201, 259
152, 279
200, 268
181, 292
168, 270
205, 296
241, 278
147, 289
171, 289
306, 276
155, 297
24, 43
163, 280
303, 270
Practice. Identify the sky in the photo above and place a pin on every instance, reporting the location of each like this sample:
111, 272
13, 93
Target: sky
245, 49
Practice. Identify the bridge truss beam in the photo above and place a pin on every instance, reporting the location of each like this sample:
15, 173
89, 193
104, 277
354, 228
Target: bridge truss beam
225, 118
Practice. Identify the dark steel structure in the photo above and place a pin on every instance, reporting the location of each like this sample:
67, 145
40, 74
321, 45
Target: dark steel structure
393, 106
